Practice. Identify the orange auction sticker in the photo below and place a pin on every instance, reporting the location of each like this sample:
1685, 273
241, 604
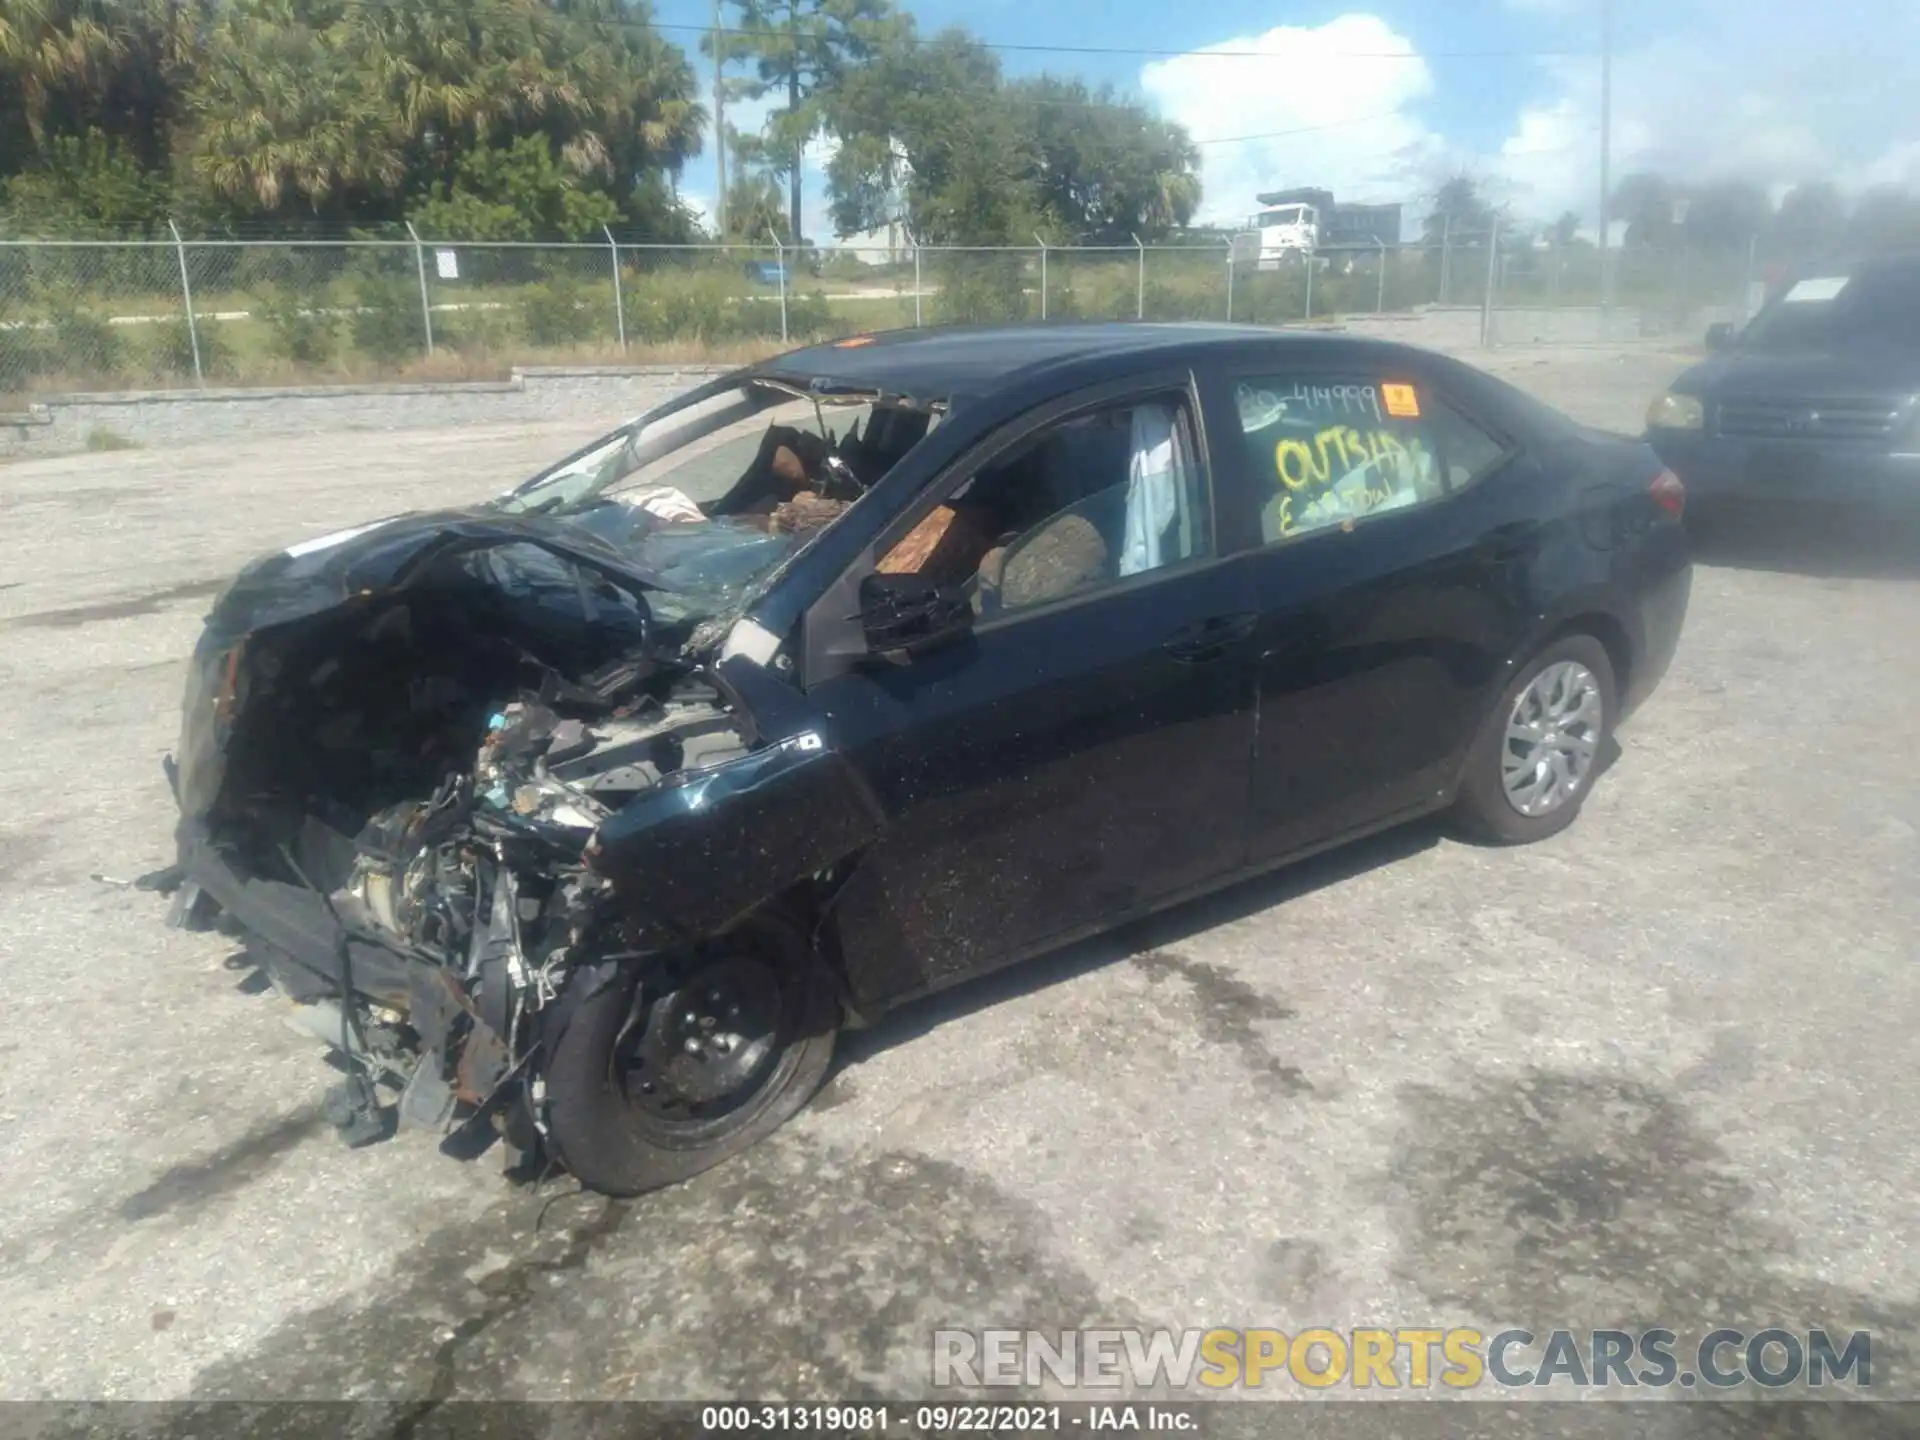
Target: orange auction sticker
1401, 401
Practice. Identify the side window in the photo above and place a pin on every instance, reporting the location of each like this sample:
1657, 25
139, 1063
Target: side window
1083, 503
1331, 451
1468, 451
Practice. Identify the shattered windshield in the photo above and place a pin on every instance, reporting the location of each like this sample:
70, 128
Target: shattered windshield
710, 498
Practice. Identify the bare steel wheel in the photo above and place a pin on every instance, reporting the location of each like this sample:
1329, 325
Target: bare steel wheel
704, 1047
1542, 746
660, 1068
1553, 736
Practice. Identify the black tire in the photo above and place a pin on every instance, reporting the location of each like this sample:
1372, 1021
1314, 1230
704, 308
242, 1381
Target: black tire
616, 1140
1481, 808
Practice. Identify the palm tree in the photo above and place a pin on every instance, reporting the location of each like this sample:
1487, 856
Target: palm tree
755, 208
55, 48
285, 113
643, 113
1176, 195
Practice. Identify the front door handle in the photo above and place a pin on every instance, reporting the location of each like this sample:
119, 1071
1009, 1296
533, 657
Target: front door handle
1211, 638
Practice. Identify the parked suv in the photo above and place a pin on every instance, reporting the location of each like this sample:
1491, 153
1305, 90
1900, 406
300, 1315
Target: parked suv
1815, 402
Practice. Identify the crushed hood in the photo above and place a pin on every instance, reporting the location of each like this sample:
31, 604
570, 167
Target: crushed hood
317, 575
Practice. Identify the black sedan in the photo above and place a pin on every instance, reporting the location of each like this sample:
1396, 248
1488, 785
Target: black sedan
1815, 405
587, 816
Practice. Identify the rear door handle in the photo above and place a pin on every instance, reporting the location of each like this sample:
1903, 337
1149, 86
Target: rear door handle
1211, 638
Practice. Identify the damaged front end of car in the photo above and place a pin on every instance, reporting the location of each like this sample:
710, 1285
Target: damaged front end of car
434, 773
515, 807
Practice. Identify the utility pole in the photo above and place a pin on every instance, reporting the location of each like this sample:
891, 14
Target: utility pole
719, 122
793, 112
1606, 162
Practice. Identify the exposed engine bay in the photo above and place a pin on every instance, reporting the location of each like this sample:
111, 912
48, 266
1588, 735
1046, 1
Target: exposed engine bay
422, 768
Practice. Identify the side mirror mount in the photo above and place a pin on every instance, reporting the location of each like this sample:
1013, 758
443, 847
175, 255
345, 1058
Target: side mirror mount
1720, 336
904, 615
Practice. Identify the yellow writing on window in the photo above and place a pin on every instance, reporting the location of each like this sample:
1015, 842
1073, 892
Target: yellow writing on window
1306, 463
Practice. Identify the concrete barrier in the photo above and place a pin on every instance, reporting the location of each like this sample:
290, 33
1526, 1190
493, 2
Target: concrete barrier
60, 424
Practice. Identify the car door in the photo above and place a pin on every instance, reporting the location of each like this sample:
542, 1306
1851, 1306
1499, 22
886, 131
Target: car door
1082, 754
1388, 582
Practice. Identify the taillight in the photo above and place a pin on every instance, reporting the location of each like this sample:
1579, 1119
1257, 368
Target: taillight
1669, 494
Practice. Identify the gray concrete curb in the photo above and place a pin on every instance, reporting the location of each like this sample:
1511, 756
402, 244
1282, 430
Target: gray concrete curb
60, 424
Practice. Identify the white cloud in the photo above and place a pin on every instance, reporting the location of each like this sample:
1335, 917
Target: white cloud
1772, 91
1349, 113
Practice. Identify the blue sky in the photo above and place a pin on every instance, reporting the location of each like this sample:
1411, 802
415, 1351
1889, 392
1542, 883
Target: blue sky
1770, 90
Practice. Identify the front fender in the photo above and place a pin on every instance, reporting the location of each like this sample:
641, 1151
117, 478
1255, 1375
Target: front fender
691, 858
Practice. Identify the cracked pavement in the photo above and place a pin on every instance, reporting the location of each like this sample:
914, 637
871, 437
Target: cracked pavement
1655, 1071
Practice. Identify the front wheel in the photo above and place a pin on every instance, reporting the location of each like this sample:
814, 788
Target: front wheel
668, 1066
1540, 749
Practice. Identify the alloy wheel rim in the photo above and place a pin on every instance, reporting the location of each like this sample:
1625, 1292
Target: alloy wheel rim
1552, 739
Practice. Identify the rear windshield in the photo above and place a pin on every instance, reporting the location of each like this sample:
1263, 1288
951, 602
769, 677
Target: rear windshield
1868, 307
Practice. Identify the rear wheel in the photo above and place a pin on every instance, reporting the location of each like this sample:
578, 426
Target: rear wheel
666, 1067
1540, 749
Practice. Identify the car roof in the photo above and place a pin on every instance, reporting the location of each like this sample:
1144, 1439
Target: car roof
942, 362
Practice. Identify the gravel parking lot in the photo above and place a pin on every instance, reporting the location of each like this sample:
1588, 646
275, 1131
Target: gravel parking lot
1657, 1071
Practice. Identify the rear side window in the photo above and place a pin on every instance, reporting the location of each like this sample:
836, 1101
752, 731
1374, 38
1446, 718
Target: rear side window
1333, 451
1466, 451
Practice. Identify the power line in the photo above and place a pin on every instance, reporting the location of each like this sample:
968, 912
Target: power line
1008, 46
1153, 53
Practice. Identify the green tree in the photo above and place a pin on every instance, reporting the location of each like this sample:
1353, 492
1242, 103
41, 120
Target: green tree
924, 139
69, 68
644, 111
932, 135
1564, 231
86, 186
55, 53
1106, 168
802, 51
1459, 212
289, 115
516, 192
755, 208
347, 109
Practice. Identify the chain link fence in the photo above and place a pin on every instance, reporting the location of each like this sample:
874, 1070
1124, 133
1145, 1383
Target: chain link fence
1550, 293
80, 315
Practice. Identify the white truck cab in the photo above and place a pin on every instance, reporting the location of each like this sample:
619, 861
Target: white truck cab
1286, 232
